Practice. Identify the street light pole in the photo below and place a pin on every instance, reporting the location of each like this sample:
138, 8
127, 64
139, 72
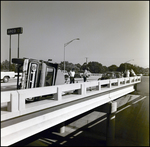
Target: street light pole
64, 49
126, 64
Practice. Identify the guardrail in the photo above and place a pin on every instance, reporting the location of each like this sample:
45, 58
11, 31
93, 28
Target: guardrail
13, 102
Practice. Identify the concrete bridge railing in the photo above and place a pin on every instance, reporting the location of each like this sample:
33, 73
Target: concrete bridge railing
20, 120
13, 102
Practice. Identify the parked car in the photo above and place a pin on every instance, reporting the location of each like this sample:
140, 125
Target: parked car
111, 75
77, 75
118, 74
5, 76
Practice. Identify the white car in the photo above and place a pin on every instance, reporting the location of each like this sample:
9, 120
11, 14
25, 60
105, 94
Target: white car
5, 76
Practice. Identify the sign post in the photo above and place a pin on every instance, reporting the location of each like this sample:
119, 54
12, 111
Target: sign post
13, 31
9, 52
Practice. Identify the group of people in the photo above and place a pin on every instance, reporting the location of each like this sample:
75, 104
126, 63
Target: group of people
129, 73
72, 75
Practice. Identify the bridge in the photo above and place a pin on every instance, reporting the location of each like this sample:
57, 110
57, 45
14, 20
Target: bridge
20, 120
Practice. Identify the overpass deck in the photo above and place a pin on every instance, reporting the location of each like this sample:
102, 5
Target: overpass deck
20, 120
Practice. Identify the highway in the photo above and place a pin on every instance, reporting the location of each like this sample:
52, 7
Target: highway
131, 128
12, 84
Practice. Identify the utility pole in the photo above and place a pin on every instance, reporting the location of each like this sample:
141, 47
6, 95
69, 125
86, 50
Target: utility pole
86, 60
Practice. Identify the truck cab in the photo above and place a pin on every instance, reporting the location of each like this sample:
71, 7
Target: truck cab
37, 73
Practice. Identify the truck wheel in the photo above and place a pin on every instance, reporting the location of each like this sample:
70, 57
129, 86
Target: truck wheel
29, 100
5, 79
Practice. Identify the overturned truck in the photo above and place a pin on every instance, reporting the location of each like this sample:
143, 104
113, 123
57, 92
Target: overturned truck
37, 73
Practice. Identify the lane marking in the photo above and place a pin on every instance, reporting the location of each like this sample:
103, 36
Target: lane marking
45, 141
130, 105
97, 122
123, 108
63, 142
112, 117
139, 100
78, 133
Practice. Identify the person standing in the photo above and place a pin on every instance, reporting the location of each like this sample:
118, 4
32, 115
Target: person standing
132, 73
85, 75
72, 74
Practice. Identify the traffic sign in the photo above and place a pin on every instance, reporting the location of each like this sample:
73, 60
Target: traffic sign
13, 31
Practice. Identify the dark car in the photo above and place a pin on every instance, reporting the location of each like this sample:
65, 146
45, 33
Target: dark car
111, 75
77, 75
118, 75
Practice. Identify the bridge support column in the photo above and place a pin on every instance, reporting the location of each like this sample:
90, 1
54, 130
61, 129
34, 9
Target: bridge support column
62, 128
110, 127
109, 108
135, 87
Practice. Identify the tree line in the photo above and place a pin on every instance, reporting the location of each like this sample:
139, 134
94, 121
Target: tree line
93, 67
96, 67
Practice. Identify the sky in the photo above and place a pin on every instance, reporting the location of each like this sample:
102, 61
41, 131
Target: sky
110, 32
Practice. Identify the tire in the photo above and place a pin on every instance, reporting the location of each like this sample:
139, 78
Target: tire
29, 100
5, 79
